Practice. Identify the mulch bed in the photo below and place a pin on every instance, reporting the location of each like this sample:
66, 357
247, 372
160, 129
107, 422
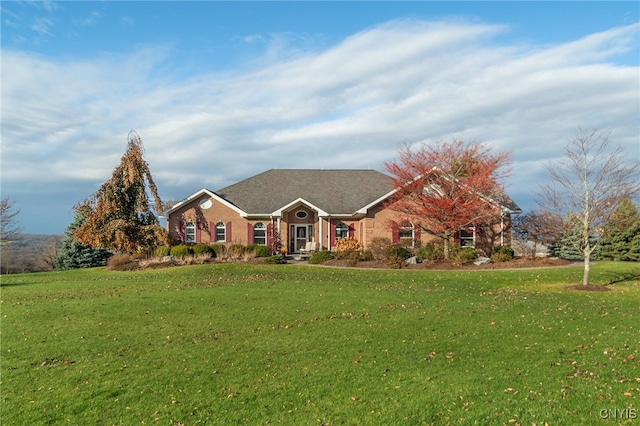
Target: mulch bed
588, 287
513, 264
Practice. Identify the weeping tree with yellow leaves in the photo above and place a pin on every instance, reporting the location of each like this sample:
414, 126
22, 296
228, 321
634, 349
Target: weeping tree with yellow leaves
119, 216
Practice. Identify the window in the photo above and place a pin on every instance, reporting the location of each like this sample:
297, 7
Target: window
468, 237
205, 204
433, 190
190, 232
259, 233
301, 214
406, 234
342, 231
221, 232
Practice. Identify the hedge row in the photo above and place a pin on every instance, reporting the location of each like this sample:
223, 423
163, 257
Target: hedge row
214, 250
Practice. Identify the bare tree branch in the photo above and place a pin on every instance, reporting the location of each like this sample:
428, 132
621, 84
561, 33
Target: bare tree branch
9, 227
588, 184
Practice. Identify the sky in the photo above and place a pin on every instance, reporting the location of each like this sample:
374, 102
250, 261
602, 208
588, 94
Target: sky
221, 91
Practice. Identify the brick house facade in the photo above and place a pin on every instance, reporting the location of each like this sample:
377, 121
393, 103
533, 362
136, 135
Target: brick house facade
310, 205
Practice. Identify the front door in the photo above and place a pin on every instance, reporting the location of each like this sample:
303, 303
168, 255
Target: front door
299, 237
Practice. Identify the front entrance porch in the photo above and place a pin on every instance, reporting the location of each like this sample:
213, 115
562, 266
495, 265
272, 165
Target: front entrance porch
299, 235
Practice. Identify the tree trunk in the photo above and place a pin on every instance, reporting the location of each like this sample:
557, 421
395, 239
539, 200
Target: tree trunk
587, 269
447, 249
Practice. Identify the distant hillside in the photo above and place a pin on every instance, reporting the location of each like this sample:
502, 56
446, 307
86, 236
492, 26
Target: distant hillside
30, 253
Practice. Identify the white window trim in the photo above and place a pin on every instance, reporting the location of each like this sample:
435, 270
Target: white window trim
471, 230
410, 228
190, 232
262, 228
346, 229
223, 227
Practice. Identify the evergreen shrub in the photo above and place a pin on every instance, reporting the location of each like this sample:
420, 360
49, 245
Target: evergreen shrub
180, 251
277, 259
201, 249
431, 252
396, 256
161, 251
461, 255
259, 250
320, 256
502, 254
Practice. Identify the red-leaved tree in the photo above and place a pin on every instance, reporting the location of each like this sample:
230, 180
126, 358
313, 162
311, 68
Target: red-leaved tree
444, 187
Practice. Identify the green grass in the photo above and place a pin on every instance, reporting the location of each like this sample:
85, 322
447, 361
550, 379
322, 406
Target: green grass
287, 344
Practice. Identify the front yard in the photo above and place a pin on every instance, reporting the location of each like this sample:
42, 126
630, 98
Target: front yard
287, 344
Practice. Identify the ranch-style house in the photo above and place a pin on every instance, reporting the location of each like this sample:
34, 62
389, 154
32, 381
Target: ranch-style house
309, 205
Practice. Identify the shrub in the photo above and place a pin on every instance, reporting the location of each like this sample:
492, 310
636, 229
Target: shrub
366, 255
347, 245
259, 250
396, 256
202, 249
277, 259
379, 247
248, 256
431, 252
180, 251
121, 262
235, 251
74, 255
502, 254
398, 250
320, 257
162, 251
349, 249
462, 255
219, 250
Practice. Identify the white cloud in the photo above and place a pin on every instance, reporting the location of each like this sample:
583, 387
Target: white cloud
42, 26
345, 106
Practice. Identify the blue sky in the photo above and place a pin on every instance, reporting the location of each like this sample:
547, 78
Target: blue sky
219, 91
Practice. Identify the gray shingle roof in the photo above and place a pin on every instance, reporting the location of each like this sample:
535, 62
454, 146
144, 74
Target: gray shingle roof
334, 191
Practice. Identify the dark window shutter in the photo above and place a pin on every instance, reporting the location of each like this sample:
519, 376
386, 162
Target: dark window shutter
332, 237
395, 238
212, 232
249, 233
269, 234
181, 230
456, 237
198, 232
229, 238
352, 231
417, 234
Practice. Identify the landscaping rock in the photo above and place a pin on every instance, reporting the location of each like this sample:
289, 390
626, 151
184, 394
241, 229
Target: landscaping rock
481, 261
411, 261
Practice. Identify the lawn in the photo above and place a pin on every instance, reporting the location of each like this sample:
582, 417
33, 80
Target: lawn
301, 345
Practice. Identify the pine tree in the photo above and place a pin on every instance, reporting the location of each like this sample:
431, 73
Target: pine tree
73, 255
119, 215
568, 244
621, 235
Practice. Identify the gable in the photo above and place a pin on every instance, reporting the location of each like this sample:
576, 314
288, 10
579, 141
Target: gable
198, 195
